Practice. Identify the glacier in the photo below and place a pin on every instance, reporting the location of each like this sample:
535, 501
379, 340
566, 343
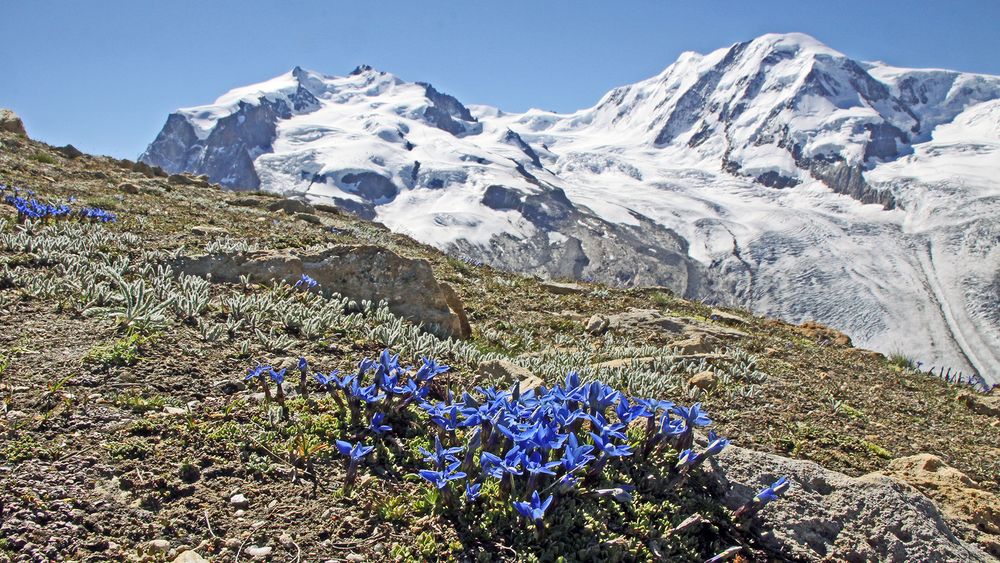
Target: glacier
776, 174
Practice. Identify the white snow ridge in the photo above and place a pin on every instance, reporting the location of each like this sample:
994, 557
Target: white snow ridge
777, 174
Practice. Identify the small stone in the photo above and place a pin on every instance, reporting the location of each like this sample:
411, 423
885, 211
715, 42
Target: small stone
174, 411
598, 324
189, 557
158, 546
703, 380
355, 557
239, 501
128, 188
233, 543
286, 540
258, 552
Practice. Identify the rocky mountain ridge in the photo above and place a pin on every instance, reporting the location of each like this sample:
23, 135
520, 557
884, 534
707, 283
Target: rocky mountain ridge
720, 178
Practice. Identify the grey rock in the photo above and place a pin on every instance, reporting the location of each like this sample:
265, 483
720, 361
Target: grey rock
158, 546
327, 208
181, 180
291, 206
373, 187
11, 122
703, 380
505, 373
359, 272
258, 552
246, 202
827, 515
501, 198
597, 324
559, 288
189, 556
239, 501
646, 319
69, 151
728, 318
309, 218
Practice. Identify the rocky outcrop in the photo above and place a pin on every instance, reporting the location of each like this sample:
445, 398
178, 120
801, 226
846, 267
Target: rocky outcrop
448, 114
11, 123
829, 516
361, 272
823, 334
226, 154
972, 509
571, 242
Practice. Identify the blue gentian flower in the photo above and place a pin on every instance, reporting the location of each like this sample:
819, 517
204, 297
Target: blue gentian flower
307, 282
772, 493
472, 491
692, 415
376, 425
277, 375
354, 451
441, 478
257, 371
535, 509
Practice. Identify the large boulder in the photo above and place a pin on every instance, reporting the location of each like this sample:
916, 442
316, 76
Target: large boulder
829, 516
359, 272
973, 509
11, 123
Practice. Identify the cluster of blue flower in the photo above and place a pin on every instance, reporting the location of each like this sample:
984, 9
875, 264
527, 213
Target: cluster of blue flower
537, 444
306, 282
28, 207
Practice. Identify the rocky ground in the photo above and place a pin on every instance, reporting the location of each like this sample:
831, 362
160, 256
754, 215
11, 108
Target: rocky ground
135, 440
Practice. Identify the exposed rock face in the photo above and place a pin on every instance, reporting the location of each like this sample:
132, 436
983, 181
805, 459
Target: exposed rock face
961, 499
11, 123
448, 114
359, 272
226, 154
821, 333
572, 242
829, 516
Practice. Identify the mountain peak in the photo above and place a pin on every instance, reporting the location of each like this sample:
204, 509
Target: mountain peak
361, 69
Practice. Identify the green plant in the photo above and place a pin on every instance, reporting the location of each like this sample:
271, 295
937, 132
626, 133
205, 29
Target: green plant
43, 158
139, 404
900, 360
124, 351
20, 449
130, 448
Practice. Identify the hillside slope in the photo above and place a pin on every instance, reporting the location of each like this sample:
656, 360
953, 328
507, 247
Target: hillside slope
131, 427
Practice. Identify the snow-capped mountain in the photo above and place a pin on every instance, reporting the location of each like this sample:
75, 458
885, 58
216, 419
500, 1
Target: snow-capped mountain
777, 174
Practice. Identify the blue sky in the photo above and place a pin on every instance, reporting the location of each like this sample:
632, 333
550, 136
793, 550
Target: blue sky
104, 75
